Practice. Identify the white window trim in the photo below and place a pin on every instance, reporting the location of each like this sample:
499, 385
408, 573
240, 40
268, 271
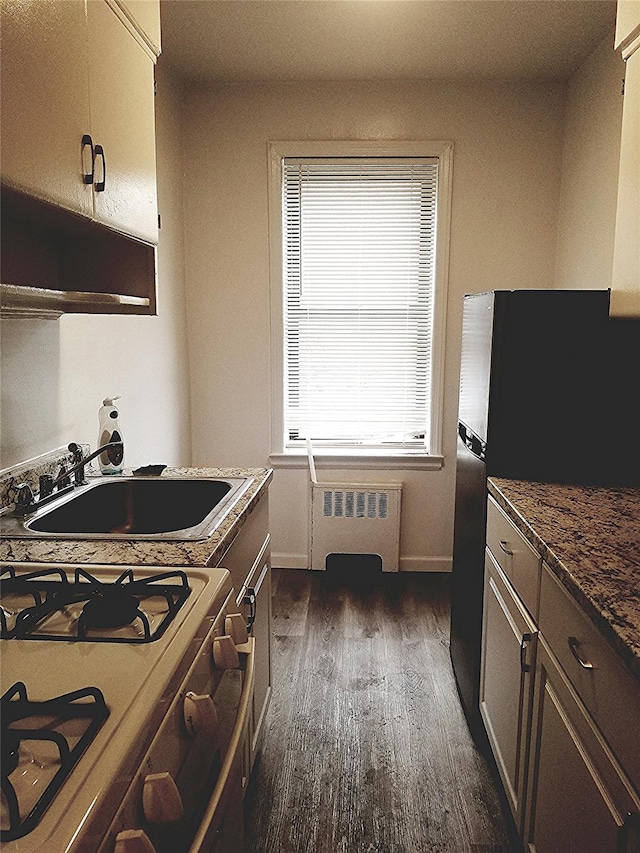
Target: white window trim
277, 152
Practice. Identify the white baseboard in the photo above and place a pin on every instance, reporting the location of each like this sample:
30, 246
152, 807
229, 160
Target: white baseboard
425, 564
407, 564
289, 561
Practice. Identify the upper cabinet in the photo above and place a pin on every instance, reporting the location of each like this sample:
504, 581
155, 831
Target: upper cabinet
121, 98
78, 164
626, 257
45, 101
145, 18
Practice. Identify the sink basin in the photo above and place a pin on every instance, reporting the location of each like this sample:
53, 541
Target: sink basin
135, 508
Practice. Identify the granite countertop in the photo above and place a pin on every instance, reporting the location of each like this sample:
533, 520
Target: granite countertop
206, 552
590, 538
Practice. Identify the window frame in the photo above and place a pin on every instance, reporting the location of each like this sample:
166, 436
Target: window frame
361, 456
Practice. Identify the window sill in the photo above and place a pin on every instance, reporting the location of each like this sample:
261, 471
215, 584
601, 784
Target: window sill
363, 460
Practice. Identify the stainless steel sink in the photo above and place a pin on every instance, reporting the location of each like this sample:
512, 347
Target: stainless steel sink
157, 508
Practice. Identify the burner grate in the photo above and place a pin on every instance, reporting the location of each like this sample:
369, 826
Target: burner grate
52, 605
49, 725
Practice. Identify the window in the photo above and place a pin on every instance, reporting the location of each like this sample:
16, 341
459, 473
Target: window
361, 301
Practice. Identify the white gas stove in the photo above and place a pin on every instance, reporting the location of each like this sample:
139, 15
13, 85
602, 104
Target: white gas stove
124, 709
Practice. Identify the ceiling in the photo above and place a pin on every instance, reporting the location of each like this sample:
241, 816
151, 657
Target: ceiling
236, 41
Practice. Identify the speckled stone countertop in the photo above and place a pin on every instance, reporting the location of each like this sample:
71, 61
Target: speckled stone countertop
590, 538
134, 552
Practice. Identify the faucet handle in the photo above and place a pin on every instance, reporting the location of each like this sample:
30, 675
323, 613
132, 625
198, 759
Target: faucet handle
76, 457
76, 452
24, 498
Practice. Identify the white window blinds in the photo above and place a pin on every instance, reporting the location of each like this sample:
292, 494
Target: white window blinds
359, 270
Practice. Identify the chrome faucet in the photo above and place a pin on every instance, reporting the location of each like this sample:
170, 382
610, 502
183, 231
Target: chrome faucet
26, 501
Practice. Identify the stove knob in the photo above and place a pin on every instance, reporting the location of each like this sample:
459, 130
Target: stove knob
161, 800
225, 654
133, 841
200, 714
235, 626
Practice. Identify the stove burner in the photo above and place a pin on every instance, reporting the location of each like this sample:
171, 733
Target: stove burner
48, 725
112, 608
56, 606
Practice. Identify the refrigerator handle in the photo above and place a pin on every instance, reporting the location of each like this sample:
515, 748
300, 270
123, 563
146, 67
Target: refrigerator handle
471, 440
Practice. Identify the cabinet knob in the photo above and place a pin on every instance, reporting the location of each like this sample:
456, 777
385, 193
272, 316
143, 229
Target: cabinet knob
161, 800
235, 626
133, 841
200, 714
225, 654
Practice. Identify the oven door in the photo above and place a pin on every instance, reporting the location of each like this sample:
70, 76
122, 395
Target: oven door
187, 795
221, 828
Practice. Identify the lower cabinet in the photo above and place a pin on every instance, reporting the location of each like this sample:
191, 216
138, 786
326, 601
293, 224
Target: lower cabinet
560, 711
506, 682
578, 799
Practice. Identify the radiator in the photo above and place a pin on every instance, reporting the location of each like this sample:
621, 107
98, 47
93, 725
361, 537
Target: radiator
350, 518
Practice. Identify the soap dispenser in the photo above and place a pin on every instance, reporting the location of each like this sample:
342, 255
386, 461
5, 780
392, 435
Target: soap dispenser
111, 460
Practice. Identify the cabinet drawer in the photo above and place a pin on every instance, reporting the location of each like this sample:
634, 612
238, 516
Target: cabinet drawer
517, 559
608, 690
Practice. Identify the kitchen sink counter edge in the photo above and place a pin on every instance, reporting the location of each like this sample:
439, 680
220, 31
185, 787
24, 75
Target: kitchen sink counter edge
204, 552
589, 536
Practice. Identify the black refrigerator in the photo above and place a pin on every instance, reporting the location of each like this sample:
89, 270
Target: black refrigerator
548, 387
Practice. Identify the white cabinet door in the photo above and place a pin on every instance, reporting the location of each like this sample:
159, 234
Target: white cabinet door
45, 105
577, 800
123, 125
508, 658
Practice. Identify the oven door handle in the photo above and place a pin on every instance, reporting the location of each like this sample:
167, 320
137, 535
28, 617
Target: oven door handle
223, 790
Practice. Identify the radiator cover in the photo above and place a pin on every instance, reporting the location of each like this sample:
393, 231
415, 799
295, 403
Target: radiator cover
355, 518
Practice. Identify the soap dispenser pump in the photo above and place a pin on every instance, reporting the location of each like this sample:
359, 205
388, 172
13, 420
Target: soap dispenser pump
111, 460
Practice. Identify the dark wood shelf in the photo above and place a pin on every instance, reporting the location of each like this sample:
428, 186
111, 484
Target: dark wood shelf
55, 261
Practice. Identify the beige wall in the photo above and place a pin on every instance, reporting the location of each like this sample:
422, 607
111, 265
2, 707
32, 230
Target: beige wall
55, 373
589, 191
506, 179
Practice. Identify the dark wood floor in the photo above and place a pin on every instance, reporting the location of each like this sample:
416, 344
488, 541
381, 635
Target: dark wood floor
366, 747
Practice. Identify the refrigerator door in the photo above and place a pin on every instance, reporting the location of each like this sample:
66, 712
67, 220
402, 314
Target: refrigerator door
535, 399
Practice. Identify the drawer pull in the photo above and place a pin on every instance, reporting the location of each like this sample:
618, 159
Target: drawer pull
574, 644
526, 639
503, 545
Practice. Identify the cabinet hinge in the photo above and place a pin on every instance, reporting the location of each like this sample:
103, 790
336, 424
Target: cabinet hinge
622, 87
159, 222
